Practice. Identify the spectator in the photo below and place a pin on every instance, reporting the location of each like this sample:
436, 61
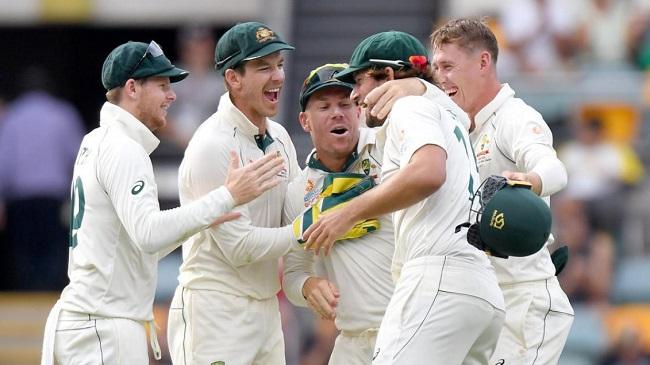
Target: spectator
541, 34
199, 94
39, 139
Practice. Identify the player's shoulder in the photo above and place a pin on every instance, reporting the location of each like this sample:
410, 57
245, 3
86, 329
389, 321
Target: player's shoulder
212, 135
114, 140
516, 110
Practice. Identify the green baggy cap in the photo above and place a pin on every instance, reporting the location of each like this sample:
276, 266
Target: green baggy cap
244, 42
393, 48
137, 60
515, 222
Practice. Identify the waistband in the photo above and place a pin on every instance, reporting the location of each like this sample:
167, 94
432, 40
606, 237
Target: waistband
65, 315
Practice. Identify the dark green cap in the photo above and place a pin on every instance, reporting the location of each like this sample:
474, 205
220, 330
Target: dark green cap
515, 222
319, 78
244, 42
393, 48
137, 60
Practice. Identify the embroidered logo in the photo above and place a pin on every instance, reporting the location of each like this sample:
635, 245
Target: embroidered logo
483, 146
498, 220
137, 187
264, 35
365, 165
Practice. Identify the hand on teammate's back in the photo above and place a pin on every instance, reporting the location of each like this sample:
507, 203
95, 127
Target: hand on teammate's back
248, 182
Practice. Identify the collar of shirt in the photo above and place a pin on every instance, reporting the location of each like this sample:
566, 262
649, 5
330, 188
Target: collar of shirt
235, 117
484, 114
113, 115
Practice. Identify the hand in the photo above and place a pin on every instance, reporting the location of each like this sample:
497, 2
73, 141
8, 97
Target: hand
324, 233
531, 177
322, 297
381, 99
248, 182
225, 218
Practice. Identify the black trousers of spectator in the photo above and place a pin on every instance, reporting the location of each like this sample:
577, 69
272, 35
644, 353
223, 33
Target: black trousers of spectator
38, 244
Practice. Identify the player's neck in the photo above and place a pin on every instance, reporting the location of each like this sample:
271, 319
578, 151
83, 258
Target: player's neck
488, 93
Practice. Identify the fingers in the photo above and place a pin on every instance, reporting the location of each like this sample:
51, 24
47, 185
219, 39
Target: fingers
384, 106
234, 161
225, 218
323, 299
375, 96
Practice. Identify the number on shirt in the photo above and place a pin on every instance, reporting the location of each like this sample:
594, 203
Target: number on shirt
461, 138
76, 211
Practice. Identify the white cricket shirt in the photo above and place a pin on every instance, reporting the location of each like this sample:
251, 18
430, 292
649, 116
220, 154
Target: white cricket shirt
511, 135
360, 268
236, 257
118, 232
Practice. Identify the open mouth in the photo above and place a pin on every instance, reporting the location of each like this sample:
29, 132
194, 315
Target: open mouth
339, 131
451, 92
272, 95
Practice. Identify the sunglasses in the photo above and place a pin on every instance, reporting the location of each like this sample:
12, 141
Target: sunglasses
153, 49
324, 73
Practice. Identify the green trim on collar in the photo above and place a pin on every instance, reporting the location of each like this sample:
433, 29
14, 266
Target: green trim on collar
314, 163
263, 141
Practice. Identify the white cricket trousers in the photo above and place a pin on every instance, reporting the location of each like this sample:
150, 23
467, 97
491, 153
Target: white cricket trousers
538, 321
426, 323
83, 339
212, 327
354, 348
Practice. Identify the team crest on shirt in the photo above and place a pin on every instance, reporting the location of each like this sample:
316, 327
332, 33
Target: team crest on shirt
310, 194
365, 165
483, 154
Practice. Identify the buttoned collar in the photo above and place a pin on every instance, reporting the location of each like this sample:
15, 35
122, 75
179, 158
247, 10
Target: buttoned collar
235, 117
491, 108
113, 115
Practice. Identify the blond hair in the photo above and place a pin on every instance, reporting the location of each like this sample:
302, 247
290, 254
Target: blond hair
469, 33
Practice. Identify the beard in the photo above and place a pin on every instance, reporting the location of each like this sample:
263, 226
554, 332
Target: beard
371, 121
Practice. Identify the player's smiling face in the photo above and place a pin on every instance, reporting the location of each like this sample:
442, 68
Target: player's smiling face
457, 72
260, 86
332, 120
155, 97
363, 85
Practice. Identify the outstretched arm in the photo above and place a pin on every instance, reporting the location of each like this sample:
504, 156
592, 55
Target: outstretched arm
422, 176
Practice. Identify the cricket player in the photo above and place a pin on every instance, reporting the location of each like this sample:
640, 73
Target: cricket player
117, 231
357, 284
225, 308
510, 138
447, 307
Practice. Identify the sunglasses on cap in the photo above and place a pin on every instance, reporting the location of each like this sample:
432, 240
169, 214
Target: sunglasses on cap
153, 49
323, 74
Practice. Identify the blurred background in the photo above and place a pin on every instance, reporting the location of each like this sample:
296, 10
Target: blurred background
583, 64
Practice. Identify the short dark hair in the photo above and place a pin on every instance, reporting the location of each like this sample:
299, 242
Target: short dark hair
467, 33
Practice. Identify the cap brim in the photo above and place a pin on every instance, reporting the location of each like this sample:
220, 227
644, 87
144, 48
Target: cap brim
175, 74
347, 75
332, 83
268, 49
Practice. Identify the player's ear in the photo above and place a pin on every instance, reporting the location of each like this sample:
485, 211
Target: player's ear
304, 122
233, 79
129, 88
390, 73
486, 60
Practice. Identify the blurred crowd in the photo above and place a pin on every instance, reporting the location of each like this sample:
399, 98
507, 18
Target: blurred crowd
603, 215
